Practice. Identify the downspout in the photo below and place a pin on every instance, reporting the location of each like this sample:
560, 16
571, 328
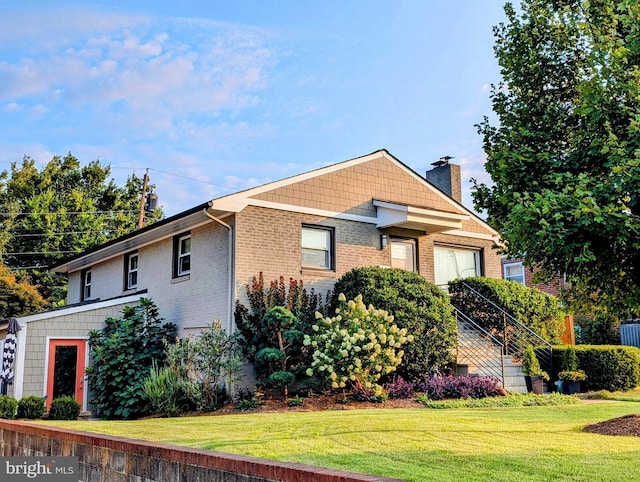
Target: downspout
229, 267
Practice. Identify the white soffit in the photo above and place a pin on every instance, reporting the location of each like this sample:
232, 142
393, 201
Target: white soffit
419, 219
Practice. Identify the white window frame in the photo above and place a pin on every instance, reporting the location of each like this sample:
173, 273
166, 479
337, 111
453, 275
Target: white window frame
477, 254
403, 242
519, 278
132, 273
328, 249
86, 284
181, 256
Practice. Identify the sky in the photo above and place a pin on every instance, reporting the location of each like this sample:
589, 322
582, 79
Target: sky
217, 96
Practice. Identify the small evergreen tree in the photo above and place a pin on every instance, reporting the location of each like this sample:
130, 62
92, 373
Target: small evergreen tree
259, 328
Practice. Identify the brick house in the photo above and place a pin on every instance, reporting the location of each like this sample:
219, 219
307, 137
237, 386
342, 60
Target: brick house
368, 211
515, 270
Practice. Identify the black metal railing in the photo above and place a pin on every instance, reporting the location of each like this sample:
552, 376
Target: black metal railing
478, 350
513, 336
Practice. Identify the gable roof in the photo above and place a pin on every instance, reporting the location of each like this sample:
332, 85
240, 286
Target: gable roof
390, 213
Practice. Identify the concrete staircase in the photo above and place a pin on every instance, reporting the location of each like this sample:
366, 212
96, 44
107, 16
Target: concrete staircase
478, 353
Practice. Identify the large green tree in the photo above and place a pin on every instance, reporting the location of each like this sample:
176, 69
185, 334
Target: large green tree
60, 210
564, 154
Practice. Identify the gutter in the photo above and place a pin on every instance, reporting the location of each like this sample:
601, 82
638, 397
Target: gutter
229, 267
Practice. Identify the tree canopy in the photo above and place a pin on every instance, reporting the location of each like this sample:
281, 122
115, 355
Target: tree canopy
60, 210
17, 296
564, 156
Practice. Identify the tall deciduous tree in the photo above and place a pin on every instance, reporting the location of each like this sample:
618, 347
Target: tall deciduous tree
17, 296
61, 210
565, 155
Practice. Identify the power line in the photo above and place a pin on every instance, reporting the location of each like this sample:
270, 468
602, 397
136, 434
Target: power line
67, 212
36, 235
31, 253
179, 175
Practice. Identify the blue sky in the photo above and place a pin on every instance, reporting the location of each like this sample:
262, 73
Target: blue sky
218, 96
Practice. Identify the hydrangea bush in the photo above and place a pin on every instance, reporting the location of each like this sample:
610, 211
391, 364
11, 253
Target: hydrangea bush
359, 345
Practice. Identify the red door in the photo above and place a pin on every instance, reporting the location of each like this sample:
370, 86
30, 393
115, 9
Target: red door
65, 375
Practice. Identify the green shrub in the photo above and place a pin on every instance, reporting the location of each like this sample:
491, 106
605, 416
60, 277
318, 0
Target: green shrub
204, 365
356, 347
31, 407
531, 365
8, 407
600, 329
569, 359
607, 367
418, 306
295, 401
533, 308
167, 392
248, 404
64, 408
122, 354
272, 363
569, 367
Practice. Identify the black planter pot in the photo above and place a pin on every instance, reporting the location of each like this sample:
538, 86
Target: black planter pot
534, 384
572, 387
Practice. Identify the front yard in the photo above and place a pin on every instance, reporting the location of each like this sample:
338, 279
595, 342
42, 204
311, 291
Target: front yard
500, 444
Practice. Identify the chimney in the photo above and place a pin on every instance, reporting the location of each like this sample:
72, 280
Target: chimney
446, 177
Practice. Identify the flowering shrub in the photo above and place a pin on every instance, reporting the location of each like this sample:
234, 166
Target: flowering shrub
417, 305
358, 345
465, 386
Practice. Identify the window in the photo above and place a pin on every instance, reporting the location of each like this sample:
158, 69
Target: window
131, 271
317, 247
182, 255
514, 272
85, 275
455, 263
403, 254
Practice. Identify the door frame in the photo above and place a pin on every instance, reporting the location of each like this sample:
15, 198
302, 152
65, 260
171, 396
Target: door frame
83, 354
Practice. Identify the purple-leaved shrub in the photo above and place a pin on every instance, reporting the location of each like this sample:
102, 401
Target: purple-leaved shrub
465, 386
399, 388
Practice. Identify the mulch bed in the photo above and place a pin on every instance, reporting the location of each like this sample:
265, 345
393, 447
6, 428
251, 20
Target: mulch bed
321, 402
629, 425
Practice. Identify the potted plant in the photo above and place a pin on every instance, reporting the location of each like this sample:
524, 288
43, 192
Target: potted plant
534, 376
570, 375
571, 380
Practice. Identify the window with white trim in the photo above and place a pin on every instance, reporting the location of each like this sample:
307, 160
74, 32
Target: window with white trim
182, 255
514, 272
85, 293
455, 263
131, 271
317, 247
403, 254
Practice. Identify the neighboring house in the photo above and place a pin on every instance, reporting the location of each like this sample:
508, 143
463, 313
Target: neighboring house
316, 226
515, 270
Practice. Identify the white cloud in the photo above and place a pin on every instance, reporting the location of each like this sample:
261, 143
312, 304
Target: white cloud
12, 107
134, 73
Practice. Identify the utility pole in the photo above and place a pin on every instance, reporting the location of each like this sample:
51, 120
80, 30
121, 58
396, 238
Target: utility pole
143, 199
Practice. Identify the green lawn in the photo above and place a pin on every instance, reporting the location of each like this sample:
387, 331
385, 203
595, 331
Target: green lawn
498, 444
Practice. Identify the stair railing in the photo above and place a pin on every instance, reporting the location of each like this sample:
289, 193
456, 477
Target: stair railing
479, 348
512, 334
